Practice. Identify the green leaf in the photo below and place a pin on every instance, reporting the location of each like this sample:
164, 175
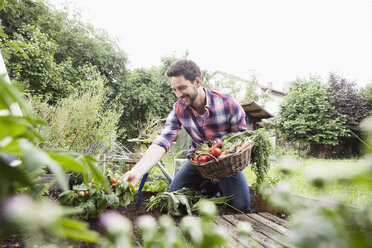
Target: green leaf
67, 162
9, 95
90, 207
34, 159
112, 199
11, 148
185, 202
96, 173
17, 127
101, 203
81, 187
74, 229
15, 174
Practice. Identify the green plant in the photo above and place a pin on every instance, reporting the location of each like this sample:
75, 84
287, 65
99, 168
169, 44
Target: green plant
348, 103
305, 116
183, 201
78, 122
337, 224
157, 185
21, 164
94, 201
193, 231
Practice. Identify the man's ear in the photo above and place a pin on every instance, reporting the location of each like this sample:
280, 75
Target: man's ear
197, 82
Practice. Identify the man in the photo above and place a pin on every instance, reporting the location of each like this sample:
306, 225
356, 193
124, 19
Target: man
205, 114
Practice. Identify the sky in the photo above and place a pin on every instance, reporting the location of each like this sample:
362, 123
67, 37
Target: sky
277, 40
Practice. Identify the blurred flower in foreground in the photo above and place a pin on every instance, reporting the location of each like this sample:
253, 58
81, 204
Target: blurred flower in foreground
114, 222
118, 229
36, 218
23, 210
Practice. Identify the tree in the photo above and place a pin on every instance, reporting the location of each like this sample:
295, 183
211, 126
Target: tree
29, 57
305, 118
76, 44
243, 90
366, 94
147, 93
348, 104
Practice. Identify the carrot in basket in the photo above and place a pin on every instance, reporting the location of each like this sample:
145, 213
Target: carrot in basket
225, 152
218, 145
242, 147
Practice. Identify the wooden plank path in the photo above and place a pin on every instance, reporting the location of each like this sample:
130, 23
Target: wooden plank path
268, 230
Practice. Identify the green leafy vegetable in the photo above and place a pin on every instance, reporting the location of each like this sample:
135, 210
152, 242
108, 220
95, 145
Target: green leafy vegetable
183, 201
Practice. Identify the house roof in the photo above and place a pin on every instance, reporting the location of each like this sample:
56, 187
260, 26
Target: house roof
278, 92
255, 110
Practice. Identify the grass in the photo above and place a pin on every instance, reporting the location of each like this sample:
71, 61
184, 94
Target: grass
358, 195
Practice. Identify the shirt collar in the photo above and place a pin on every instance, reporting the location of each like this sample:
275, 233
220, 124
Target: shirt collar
208, 102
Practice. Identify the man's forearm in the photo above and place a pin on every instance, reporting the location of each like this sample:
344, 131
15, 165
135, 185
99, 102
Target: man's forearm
150, 158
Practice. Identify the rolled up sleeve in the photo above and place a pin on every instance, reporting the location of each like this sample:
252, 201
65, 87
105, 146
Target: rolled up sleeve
237, 116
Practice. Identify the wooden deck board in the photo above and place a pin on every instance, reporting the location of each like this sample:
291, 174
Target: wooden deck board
269, 223
231, 231
268, 230
257, 234
275, 219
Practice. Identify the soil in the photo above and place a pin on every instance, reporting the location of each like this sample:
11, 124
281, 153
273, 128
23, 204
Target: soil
132, 212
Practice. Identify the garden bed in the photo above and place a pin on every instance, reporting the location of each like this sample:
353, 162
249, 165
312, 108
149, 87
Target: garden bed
132, 212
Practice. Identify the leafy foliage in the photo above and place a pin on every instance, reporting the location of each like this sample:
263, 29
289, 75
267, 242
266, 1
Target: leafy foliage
183, 201
193, 231
77, 121
260, 155
147, 94
366, 94
305, 116
21, 164
93, 200
347, 102
243, 90
157, 185
338, 225
76, 40
30, 58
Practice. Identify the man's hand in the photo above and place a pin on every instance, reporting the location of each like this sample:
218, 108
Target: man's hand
151, 157
132, 177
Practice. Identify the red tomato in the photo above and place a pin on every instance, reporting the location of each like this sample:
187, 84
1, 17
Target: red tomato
216, 152
86, 193
203, 158
196, 159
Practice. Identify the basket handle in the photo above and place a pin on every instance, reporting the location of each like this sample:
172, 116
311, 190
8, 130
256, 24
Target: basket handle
208, 155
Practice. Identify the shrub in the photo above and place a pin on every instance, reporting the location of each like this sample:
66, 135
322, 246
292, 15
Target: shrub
77, 122
337, 224
305, 116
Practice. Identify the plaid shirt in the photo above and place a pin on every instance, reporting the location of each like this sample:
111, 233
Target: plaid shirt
224, 115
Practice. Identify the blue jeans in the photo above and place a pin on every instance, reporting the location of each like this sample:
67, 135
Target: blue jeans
188, 176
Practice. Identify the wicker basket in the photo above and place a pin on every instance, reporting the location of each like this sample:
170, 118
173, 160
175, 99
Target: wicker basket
226, 166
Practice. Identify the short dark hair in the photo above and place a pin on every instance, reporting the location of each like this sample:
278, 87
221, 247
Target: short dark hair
184, 67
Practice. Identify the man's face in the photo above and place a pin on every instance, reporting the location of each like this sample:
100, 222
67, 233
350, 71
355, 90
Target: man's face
184, 90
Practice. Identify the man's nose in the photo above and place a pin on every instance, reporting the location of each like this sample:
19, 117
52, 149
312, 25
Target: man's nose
178, 94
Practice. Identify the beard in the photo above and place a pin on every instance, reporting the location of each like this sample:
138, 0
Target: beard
189, 99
